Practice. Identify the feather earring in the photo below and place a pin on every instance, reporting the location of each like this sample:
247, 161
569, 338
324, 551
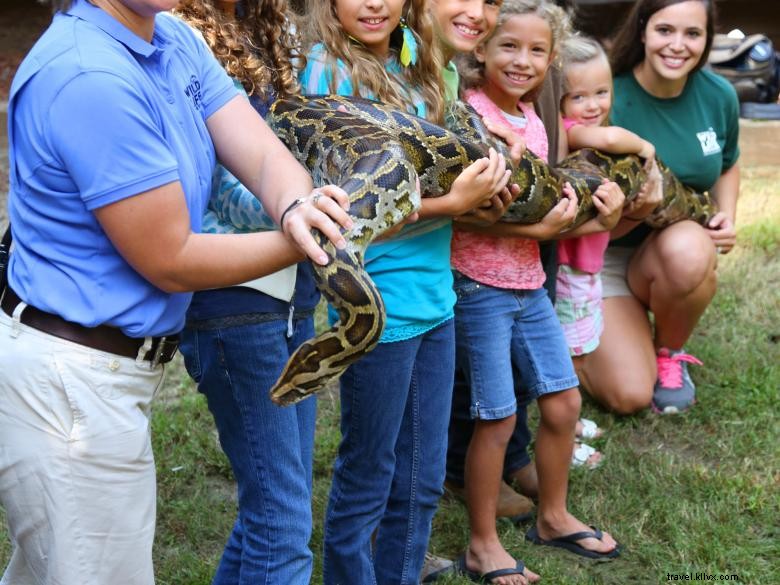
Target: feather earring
409, 47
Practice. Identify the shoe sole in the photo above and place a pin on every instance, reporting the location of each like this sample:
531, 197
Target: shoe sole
671, 409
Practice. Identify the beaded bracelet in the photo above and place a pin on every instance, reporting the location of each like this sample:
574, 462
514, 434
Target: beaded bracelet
290, 207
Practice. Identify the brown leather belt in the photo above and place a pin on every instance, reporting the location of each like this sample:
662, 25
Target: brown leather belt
102, 337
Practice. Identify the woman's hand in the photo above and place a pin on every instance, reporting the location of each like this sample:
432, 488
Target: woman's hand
608, 199
325, 208
723, 233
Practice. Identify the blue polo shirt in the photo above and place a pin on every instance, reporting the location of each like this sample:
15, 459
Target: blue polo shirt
97, 114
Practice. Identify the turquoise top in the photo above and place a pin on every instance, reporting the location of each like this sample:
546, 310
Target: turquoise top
411, 269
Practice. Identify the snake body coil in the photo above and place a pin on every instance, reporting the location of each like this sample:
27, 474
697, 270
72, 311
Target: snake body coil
376, 154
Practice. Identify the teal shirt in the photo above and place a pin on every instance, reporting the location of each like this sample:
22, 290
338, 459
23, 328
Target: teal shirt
696, 133
412, 269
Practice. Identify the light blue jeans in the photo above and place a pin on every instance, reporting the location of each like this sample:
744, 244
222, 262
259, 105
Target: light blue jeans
270, 447
388, 476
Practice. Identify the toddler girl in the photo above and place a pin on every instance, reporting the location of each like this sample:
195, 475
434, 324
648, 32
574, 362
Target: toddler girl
585, 106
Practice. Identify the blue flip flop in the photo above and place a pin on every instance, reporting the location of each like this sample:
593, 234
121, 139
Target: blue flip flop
569, 542
460, 567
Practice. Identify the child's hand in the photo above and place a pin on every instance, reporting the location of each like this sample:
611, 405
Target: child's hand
559, 217
478, 182
649, 197
513, 140
608, 200
648, 150
487, 214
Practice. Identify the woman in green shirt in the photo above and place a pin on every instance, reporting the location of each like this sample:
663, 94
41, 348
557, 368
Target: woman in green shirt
692, 117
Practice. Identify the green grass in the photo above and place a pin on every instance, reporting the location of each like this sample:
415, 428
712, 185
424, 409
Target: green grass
688, 494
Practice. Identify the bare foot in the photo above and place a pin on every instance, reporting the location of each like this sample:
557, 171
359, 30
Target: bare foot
550, 528
481, 559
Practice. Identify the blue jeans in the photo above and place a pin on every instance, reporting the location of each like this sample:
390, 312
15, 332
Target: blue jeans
462, 425
235, 362
508, 343
388, 475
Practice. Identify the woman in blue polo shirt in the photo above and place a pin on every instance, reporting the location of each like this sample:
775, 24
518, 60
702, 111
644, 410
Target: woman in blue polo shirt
116, 119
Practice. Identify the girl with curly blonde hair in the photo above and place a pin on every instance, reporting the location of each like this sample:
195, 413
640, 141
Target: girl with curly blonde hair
238, 339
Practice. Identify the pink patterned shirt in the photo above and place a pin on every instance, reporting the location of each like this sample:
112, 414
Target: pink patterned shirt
511, 263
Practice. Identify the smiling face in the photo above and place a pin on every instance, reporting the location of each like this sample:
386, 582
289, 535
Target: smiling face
675, 39
516, 59
588, 97
370, 21
460, 25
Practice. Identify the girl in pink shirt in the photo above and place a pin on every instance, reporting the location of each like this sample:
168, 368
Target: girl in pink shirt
509, 342
585, 106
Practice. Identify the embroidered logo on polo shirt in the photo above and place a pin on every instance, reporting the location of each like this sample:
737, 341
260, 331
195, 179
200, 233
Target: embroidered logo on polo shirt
192, 91
709, 142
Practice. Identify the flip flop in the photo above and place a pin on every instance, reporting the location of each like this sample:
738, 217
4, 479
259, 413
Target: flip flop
581, 454
569, 542
460, 566
590, 430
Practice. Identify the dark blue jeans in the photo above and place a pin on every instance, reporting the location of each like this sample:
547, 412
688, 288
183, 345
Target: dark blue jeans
388, 475
269, 447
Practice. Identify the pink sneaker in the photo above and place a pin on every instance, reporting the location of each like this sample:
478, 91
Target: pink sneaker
674, 390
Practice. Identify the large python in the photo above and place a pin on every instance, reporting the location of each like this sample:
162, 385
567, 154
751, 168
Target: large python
376, 153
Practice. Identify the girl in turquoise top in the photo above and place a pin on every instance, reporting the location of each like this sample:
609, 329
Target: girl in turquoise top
692, 117
395, 401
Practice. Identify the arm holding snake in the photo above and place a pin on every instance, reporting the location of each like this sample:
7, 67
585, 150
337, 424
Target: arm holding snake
721, 228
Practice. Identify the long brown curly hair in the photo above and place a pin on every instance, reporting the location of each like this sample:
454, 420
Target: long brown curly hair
368, 73
258, 48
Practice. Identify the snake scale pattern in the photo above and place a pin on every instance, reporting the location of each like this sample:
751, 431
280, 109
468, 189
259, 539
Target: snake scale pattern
376, 154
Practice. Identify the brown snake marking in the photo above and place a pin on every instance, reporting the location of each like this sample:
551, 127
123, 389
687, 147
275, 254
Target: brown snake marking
375, 153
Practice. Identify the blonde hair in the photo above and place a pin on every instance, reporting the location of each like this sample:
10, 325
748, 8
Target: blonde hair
578, 49
368, 73
259, 49
473, 72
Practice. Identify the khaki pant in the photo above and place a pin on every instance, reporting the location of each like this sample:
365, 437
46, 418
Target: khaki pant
77, 477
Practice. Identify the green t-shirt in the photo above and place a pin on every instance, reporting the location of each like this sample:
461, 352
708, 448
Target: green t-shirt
696, 133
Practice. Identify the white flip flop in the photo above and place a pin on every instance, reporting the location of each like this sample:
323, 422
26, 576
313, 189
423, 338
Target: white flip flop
581, 454
590, 430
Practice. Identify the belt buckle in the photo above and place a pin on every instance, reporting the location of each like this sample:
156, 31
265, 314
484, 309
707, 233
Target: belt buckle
165, 350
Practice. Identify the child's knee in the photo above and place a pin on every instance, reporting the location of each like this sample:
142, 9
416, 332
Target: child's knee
500, 430
561, 410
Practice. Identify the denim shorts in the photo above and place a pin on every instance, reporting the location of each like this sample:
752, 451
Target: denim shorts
508, 342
